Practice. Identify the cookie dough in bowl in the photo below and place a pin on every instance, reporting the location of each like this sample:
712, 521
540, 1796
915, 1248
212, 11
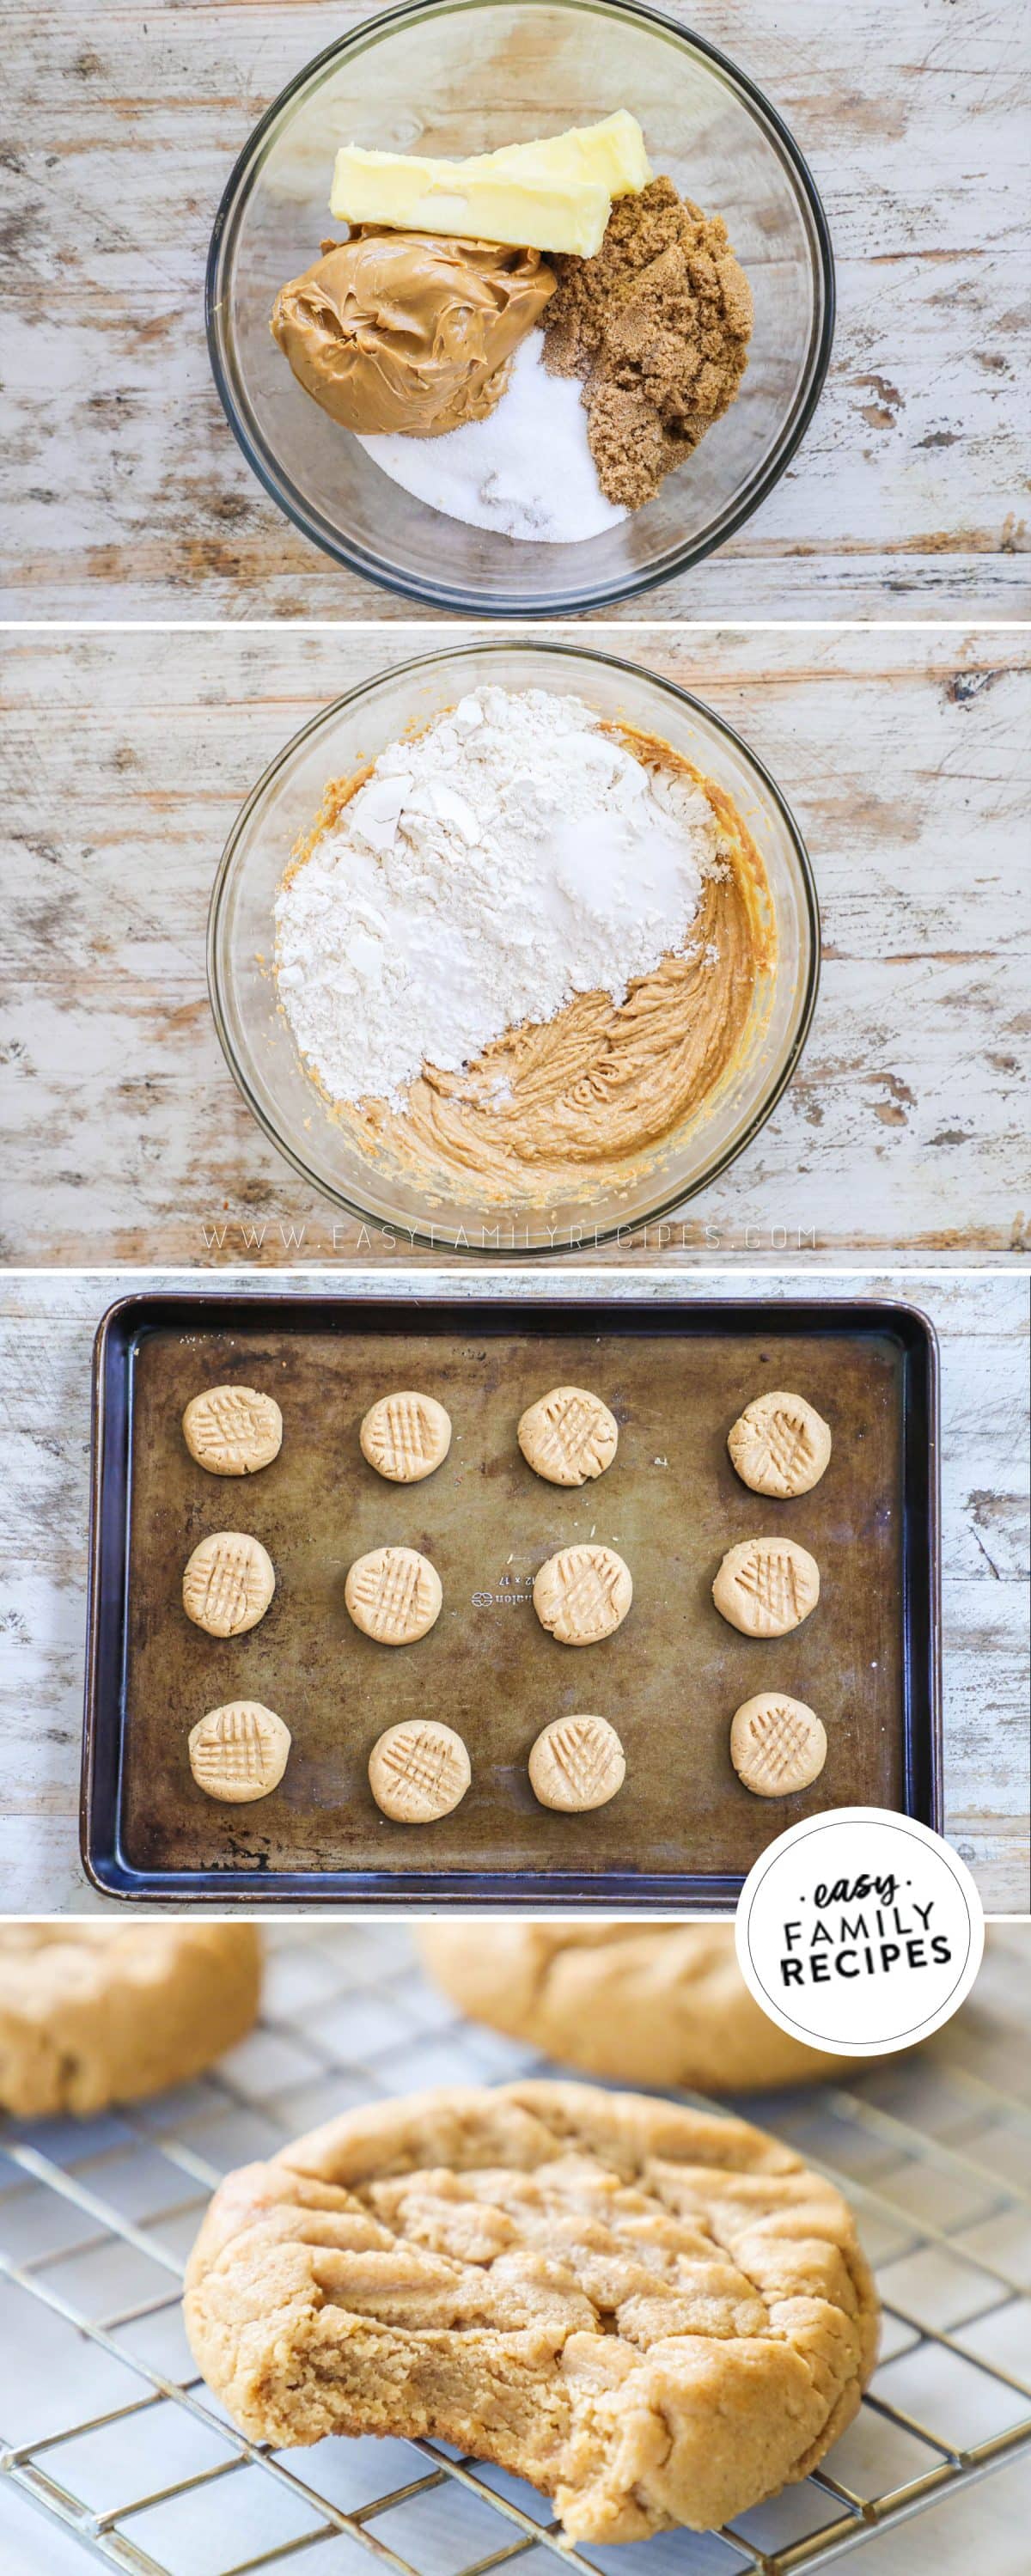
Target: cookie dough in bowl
657, 2316
661, 2003
535, 1042
93, 2013
496, 1076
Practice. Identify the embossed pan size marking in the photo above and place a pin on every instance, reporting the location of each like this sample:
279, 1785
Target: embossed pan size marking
682, 1830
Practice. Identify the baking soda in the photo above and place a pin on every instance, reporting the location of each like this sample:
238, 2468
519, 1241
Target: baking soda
526, 471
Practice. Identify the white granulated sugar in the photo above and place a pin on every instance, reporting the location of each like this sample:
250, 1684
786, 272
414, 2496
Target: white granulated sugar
512, 857
526, 470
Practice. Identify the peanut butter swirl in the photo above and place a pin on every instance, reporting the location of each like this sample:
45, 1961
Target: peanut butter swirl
409, 331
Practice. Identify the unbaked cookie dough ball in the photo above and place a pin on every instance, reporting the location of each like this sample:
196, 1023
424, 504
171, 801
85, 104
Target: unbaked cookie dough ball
228, 1583
583, 1594
394, 1595
777, 1744
568, 1436
233, 1430
780, 1445
576, 1764
419, 1770
238, 1752
406, 1437
767, 1586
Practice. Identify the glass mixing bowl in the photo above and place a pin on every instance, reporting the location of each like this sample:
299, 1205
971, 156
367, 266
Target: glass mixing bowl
454, 76
256, 1036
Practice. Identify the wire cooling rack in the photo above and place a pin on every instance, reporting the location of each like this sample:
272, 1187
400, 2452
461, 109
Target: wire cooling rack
108, 2430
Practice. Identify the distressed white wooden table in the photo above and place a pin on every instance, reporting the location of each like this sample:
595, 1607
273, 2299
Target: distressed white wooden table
905, 757
129, 497
46, 1330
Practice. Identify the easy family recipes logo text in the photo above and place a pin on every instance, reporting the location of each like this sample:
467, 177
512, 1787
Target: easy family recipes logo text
860, 1927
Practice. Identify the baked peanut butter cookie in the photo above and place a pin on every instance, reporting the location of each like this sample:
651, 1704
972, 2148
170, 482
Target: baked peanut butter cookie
777, 1744
568, 1436
657, 2316
583, 1594
228, 1583
233, 1430
767, 1586
644, 2003
92, 2013
577, 1763
238, 1752
406, 1437
780, 1445
394, 1595
419, 1770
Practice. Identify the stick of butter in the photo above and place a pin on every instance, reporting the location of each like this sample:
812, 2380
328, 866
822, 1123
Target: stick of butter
552, 195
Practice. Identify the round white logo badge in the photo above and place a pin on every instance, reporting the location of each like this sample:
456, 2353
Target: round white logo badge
859, 1931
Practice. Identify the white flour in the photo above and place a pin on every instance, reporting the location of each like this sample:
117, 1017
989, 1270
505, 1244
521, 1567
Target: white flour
527, 470
509, 859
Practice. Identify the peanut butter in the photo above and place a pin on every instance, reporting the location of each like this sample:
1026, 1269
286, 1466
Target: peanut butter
409, 331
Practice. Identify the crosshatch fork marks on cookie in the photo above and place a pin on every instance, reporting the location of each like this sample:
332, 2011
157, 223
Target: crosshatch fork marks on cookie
419, 1772
405, 1437
582, 1595
772, 1744
226, 1583
232, 1430
771, 1577
783, 1736
238, 1752
388, 1594
577, 1761
392, 1594
785, 1446
568, 1436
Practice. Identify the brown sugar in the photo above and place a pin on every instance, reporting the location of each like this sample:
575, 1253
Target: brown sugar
657, 324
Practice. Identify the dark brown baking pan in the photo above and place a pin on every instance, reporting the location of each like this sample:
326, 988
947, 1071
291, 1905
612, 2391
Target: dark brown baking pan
683, 1832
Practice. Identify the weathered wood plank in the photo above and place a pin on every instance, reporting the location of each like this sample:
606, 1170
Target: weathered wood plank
905, 756
129, 496
46, 1327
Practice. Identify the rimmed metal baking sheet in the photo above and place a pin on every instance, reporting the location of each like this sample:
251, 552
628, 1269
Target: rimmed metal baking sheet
683, 1831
